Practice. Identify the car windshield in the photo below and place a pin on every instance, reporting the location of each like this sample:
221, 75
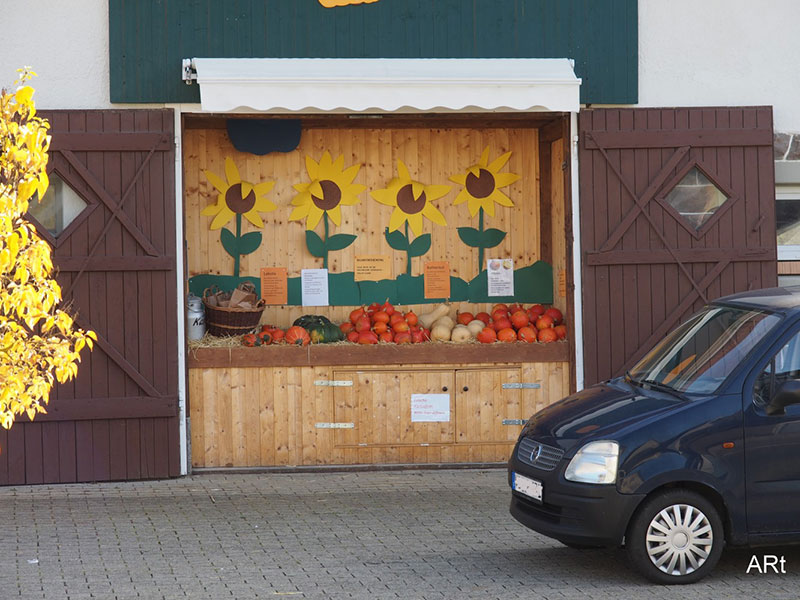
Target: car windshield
700, 354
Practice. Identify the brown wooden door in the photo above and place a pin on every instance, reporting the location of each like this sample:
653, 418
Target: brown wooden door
116, 259
677, 209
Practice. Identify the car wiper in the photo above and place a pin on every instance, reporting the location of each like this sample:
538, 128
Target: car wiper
662, 387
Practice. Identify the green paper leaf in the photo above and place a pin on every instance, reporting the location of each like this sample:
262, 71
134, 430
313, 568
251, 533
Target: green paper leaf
420, 245
396, 240
339, 241
470, 236
492, 237
315, 244
229, 242
249, 242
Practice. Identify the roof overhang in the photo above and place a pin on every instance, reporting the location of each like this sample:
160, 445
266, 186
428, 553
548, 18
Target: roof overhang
385, 85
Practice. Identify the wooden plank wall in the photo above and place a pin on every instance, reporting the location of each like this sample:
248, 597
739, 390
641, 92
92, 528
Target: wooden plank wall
432, 156
251, 417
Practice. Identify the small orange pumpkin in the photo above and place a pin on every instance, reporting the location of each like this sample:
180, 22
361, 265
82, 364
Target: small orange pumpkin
507, 335
297, 335
265, 337
249, 339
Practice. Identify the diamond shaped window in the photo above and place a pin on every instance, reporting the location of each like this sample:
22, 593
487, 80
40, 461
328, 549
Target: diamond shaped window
60, 206
696, 198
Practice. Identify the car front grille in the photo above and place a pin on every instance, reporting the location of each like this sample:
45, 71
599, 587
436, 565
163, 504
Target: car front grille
539, 455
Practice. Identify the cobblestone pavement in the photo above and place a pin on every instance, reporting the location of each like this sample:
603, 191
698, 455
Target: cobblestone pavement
396, 534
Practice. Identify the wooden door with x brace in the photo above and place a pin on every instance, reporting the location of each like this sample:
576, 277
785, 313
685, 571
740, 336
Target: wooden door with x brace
677, 208
112, 229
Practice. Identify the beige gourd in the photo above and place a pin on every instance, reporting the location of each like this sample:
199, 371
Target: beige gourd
427, 319
446, 320
461, 334
475, 327
440, 333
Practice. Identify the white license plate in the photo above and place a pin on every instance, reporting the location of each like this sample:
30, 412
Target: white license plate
525, 485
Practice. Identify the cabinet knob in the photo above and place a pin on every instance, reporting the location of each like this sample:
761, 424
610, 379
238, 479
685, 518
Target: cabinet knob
444, 388
466, 389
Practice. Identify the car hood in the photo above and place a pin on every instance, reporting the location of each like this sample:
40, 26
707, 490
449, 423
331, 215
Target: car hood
601, 411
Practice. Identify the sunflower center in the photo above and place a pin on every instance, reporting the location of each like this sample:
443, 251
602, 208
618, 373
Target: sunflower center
482, 185
331, 195
234, 200
406, 201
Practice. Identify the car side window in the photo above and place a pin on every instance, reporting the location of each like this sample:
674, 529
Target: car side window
785, 365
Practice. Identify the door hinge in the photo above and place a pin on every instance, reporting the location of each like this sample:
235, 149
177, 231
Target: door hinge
514, 421
521, 386
333, 382
335, 425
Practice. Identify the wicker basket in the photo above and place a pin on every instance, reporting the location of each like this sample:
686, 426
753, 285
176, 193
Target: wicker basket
222, 321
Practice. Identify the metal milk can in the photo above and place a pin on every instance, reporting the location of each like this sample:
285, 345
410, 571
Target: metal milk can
195, 318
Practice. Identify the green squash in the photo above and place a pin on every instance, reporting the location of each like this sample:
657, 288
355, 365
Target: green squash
326, 333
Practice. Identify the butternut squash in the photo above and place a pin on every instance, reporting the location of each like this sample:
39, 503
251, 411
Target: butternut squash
427, 319
440, 333
445, 320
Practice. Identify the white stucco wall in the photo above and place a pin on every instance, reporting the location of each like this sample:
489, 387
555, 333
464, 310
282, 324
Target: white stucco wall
706, 53
721, 53
65, 42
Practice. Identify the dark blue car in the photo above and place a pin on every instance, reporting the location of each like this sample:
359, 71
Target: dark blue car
696, 446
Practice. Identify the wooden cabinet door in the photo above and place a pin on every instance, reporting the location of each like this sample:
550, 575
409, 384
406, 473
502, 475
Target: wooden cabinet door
488, 405
378, 403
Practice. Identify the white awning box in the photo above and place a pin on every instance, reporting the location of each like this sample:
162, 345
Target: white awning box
385, 85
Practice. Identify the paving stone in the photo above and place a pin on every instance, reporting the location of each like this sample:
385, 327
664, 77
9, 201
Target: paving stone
371, 535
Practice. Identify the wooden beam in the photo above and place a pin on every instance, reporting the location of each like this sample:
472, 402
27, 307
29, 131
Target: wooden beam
660, 138
693, 255
381, 354
84, 409
102, 142
114, 263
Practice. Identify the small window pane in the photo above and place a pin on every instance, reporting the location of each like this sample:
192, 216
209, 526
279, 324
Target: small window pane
787, 216
59, 207
696, 198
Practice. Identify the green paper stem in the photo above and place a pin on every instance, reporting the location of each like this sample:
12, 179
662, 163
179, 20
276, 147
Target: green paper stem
408, 252
480, 229
238, 235
325, 258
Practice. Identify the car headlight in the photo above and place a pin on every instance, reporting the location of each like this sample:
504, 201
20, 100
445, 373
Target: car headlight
596, 462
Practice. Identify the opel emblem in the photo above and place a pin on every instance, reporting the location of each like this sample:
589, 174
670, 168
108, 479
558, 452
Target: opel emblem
536, 452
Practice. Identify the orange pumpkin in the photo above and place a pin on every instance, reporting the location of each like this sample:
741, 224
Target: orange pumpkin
380, 317
527, 334
265, 338
277, 335
411, 318
487, 336
548, 335
483, 316
249, 339
380, 327
561, 330
465, 317
297, 335
519, 319
352, 336
507, 335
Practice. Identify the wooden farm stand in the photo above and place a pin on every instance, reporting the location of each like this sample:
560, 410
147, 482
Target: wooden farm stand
348, 404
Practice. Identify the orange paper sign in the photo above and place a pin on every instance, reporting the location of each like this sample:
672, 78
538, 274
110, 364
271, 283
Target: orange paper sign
372, 268
274, 289
437, 279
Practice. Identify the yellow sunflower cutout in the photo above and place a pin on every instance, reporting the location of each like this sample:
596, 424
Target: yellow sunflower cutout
482, 183
331, 186
412, 200
237, 198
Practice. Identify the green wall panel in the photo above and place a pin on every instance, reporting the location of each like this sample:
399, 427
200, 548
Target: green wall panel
148, 38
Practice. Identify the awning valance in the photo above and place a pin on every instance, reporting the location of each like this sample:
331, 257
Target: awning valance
384, 85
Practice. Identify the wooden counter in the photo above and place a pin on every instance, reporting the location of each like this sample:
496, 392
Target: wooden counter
346, 404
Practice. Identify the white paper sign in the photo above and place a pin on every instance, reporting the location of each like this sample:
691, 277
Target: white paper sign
314, 285
430, 408
500, 276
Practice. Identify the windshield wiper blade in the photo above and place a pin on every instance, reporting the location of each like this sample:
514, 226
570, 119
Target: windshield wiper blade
662, 387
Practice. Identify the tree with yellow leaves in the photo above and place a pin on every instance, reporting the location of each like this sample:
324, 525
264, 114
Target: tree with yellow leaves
39, 342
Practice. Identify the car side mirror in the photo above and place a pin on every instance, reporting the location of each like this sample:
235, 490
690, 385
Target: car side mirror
788, 393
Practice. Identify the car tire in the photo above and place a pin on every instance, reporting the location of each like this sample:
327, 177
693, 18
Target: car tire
675, 537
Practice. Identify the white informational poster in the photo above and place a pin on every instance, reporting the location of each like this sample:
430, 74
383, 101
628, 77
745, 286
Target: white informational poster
500, 276
314, 286
426, 408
